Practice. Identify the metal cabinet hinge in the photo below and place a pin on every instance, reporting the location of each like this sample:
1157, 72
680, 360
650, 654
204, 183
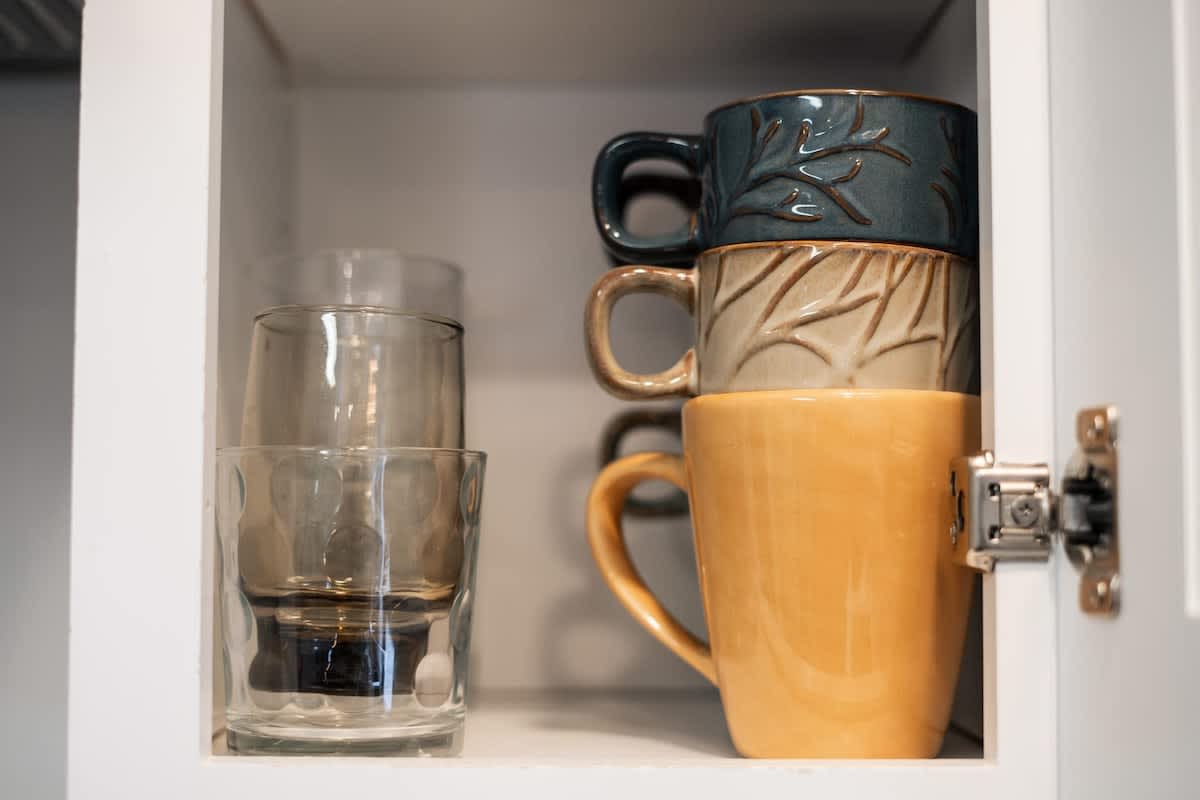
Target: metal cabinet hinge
1008, 512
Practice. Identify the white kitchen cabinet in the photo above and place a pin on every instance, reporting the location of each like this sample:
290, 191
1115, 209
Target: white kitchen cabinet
216, 133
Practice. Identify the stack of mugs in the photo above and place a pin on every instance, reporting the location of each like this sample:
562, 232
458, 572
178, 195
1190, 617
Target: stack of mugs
834, 375
348, 517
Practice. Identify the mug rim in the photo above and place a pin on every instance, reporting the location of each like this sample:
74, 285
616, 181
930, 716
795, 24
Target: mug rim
842, 92
839, 244
350, 308
819, 396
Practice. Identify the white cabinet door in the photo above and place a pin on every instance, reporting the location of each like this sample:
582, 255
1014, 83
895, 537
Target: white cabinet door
1125, 85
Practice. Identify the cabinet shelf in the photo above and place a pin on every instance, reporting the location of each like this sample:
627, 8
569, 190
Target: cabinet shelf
633, 729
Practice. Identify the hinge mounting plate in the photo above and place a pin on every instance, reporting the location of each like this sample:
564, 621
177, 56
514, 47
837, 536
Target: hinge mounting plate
1008, 512
1000, 511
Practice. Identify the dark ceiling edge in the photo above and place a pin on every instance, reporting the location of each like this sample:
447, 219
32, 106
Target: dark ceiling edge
273, 40
33, 66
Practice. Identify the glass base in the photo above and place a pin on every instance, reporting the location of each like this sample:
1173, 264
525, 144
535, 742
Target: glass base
276, 741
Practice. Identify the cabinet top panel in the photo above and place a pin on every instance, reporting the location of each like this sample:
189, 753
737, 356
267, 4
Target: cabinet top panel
548, 41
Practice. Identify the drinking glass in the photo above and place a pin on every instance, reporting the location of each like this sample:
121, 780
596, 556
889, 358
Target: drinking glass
353, 376
347, 582
373, 277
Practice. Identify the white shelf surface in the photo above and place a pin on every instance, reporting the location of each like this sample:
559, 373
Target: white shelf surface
598, 728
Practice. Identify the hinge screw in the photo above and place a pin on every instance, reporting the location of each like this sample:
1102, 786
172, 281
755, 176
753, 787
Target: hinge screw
1098, 594
1025, 512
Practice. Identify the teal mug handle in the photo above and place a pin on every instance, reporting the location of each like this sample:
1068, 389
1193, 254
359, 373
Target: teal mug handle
614, 158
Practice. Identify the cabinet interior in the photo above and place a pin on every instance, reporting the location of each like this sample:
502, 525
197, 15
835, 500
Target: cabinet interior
466, 130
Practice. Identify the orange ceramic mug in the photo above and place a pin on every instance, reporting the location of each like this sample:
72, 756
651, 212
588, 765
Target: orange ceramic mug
835, 616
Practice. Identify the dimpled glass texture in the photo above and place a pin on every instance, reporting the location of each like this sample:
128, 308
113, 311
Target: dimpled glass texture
347, 581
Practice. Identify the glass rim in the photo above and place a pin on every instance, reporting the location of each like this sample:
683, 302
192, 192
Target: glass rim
353, 308
370, 452
351, 251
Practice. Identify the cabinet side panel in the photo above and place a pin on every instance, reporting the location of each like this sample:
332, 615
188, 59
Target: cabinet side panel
1017, 326
257, 157
144, 396
257, 200
1186, 34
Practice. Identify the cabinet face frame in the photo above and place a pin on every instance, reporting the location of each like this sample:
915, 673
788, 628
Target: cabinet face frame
1186, 73
147, 320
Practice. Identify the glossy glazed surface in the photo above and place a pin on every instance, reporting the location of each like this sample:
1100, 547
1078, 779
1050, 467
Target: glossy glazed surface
825, 164
835, 617
795, 315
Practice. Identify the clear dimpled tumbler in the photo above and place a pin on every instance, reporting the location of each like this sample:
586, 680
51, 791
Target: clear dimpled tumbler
347, 580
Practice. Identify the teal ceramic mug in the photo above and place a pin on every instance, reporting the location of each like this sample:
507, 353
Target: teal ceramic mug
828, 164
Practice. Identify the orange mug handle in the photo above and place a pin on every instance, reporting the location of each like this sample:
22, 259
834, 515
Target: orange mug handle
607, 539
679, 379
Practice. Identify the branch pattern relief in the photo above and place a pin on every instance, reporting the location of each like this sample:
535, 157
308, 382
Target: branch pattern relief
839, 315
790, 158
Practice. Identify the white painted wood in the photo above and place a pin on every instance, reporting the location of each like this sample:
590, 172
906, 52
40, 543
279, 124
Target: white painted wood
242, 779
594, 744
438, 42
1128, 701
144, 402
257, 206
597, 776
588, 744
258, 161
1018, 376
1185, 34
652, 727
646, 728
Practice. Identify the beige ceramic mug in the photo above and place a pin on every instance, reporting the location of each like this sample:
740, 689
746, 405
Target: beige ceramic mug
804, 315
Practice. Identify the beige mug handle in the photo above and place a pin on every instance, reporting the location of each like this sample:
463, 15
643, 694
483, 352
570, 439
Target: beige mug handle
678, 284
607, 539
